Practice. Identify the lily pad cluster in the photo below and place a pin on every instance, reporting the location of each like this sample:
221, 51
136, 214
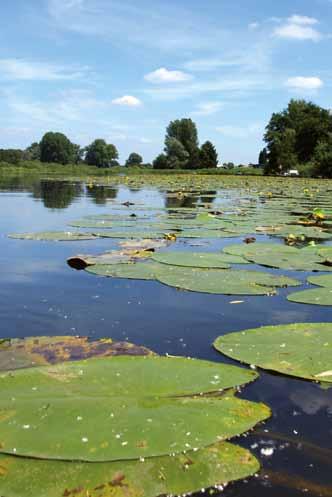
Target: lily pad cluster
129, 424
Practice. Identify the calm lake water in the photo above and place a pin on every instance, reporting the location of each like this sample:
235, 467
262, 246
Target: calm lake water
41, 295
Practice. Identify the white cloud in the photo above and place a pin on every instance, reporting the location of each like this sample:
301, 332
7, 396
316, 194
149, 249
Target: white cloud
230, 131
163, 75
20, 69
207, 108
128, 101
304, 20
304, 83
298, 27
253, 26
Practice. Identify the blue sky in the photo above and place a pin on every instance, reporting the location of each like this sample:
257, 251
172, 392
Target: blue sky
121, 70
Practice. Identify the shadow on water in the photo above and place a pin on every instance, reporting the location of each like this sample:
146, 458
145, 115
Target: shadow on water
41, 295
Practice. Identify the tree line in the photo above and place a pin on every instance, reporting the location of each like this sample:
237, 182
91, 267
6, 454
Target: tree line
299, 137
181, 151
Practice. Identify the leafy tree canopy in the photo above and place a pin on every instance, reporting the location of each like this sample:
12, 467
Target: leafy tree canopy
293, 135
56, 147
101, 154
208, 155
134, 159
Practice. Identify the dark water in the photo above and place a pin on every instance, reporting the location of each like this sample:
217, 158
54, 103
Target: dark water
41, 295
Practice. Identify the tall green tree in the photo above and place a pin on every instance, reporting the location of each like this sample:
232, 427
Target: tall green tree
282, 156
310, 125
101, 154
208, 155
184, 131
177, 155
134, 159
56, 147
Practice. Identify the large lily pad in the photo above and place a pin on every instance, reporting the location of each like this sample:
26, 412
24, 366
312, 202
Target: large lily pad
142, 406
198, 259
280, 256
17, 353
227, 282
137, 271
54, 236
130, 234
177, 475
302, 349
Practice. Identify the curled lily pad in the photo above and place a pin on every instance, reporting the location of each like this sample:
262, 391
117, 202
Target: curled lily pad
199, 259
54, 236
145, 244
303, 350
181, 474
142, 406
17, 353
227, 282
112, 257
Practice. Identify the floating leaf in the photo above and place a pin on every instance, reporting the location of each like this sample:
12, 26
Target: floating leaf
181, 474
227, 282
54, 236
315, 296
142, 406
302, 349
324, 280
138, 271
19, 353
198, 259
280, 256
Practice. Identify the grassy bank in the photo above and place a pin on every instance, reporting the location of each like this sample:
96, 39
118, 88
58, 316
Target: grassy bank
39, 168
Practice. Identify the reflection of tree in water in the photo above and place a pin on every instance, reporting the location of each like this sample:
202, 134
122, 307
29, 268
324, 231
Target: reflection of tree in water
175, 200
57, 194
101, 194
208, 197
17, 183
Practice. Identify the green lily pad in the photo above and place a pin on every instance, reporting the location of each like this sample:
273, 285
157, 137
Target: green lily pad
137, 271
227, 282
142, 406
303, 350
54, 236
199, 259
17, 353
315, 296
182, 474
101, 223
324, 280
280, 256
130, 234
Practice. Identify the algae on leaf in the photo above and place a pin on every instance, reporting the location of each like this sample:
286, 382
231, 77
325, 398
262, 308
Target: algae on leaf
303, 350
181, 474
17, 353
